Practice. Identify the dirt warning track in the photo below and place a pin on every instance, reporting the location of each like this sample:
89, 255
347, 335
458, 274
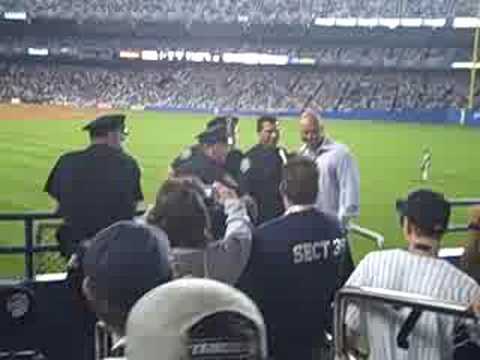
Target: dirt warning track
48, 112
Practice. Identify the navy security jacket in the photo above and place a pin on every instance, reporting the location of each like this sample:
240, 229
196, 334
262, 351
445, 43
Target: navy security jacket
292, 276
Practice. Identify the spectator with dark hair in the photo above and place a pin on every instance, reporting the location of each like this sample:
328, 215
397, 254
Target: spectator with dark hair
191, 319
97, 186
471, 258
424, 219
121, 263
180, 210
262, 169
294, 268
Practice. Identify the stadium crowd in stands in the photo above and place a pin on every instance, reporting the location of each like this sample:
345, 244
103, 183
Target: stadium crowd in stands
210, 86
263, 11
82, 48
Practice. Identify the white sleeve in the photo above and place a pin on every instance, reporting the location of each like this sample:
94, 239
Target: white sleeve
349, 187
355, 317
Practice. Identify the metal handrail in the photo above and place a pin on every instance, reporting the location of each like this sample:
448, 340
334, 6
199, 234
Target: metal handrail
455, 228
414, 301
31, 215
464, 201
367, 234
29, 249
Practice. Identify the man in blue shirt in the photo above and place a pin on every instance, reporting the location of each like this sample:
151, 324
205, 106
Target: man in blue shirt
294, 266
262, 169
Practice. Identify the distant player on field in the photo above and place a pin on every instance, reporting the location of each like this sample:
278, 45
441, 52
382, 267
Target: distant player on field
426, 164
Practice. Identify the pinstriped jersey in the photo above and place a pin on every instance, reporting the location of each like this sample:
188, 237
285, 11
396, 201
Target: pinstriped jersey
400, 270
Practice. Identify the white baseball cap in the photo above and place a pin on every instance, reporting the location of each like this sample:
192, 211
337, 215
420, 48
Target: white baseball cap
160, 324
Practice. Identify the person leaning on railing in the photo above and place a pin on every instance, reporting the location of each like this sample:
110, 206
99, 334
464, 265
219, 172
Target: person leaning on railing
424, 218
470, 262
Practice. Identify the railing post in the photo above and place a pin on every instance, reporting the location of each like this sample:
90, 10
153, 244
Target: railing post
29, 248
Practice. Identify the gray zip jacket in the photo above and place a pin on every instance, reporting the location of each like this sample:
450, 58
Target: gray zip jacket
223, 260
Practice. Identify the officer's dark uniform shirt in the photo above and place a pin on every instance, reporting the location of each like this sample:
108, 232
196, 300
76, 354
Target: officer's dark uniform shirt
201, 166
233, 164
292, 277
262, 174
95, 187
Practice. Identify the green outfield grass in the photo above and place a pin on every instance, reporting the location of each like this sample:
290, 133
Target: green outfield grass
388, 154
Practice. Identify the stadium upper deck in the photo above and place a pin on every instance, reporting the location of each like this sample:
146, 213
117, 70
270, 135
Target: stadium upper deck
261, 11
207, 86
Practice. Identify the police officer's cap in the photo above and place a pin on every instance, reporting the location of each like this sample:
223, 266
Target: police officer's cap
106, 123
214, 135
222, 121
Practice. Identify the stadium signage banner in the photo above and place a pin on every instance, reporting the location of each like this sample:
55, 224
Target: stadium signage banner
15, 15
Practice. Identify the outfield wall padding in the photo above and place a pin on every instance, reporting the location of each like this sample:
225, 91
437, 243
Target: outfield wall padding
434, 116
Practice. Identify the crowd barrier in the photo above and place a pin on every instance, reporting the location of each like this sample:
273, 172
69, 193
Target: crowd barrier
416, 304
434, 116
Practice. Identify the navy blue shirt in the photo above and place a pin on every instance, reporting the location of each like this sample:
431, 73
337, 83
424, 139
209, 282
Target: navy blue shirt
293, 275
262, 178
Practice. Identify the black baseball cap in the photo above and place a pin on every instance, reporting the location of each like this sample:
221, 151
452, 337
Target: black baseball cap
427, 209
106, 123
126, 260
214, 135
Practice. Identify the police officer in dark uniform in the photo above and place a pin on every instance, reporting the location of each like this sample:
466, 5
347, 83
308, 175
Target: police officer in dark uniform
208, 161
295, 267
262, 169
234, 156
97, 186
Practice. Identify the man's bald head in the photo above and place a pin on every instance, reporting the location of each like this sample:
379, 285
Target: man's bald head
312, 129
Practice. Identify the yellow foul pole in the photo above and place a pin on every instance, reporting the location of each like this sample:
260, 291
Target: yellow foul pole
473, 71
